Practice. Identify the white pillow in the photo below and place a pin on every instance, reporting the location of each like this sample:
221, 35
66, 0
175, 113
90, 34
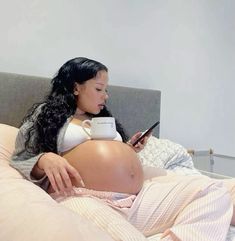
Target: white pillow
166, 154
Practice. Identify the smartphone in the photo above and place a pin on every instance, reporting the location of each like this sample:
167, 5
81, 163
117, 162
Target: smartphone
146, 133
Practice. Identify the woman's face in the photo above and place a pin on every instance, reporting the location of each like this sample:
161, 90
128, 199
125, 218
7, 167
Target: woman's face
92, 95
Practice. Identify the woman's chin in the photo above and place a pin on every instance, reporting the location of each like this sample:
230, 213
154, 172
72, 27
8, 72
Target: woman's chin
95, 112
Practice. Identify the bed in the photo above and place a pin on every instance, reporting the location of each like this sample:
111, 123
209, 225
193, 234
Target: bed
28, 213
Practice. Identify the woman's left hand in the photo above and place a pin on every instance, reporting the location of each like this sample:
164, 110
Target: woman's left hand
140, 145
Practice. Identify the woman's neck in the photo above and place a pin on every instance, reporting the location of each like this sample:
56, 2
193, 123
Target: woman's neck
79, 112
80, 115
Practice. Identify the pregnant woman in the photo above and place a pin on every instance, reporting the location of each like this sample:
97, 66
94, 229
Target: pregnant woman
53, 151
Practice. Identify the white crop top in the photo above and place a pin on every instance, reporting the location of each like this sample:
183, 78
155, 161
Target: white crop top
75, 135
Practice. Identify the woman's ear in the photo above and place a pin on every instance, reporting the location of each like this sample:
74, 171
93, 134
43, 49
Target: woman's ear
76, 89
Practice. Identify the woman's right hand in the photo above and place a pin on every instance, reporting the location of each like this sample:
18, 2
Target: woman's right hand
59, 172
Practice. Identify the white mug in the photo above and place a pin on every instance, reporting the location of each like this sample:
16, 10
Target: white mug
101, 128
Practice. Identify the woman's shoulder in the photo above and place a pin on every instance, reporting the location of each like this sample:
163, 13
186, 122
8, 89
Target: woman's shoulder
31, 116
35, 110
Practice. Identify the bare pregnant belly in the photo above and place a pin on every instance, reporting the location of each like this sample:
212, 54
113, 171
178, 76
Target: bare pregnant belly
107, 166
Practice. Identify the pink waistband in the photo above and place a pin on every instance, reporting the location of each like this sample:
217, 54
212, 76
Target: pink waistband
118, 200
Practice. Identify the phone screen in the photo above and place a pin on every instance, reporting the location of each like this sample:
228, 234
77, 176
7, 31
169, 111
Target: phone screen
146, 133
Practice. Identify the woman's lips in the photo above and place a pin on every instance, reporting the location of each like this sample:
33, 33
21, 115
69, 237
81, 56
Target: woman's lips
101, 106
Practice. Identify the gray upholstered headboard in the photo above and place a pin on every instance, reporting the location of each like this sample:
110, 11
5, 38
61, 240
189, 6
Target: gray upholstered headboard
136, 109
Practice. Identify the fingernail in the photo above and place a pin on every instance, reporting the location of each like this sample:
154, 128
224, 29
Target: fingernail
83, 184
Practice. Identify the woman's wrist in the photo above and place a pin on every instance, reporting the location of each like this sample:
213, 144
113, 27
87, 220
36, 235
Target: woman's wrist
39, 161
37, 170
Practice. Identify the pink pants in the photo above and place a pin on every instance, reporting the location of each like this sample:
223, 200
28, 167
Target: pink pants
183, 208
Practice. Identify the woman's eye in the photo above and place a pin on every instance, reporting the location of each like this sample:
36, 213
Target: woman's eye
98, 89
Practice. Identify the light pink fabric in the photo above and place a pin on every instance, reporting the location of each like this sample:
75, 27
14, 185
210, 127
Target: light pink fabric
116, 200
189, 208
7, 142
230, 185
180, 207
104, 216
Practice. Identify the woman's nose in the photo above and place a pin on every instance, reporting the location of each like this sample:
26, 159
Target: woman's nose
106, 96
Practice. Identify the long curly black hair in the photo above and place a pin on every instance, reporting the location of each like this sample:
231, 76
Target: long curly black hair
60, 104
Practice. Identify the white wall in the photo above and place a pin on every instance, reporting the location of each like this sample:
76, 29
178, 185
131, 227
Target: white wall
185, 48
